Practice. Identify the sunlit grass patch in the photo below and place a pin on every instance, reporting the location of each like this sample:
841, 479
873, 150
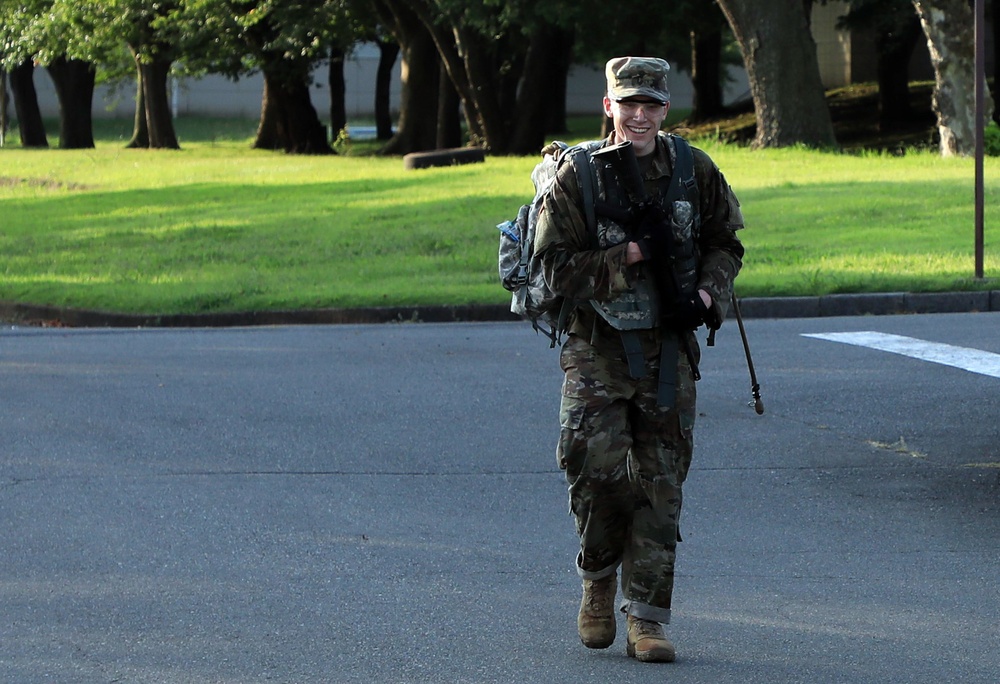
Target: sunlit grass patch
217, 226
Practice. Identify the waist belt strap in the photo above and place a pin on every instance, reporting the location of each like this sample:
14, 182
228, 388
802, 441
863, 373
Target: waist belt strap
666, 392
633, 354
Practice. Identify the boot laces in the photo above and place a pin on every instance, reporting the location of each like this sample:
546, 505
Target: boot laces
645, 629
599, 596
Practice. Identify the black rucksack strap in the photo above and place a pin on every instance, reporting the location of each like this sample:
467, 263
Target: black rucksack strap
682, 185
585, 176
682, 181
666, 390
580, 158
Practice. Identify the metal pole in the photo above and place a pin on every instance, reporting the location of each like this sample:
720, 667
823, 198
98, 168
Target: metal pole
757, 403
980, 31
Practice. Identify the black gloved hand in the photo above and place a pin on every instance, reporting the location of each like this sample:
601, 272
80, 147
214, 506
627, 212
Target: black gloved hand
650, 227
688, 313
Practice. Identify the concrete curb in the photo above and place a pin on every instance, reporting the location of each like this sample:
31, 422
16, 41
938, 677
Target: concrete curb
870, 304
63, 317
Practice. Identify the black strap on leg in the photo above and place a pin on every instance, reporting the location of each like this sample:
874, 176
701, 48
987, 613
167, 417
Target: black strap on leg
633, 354
666, 392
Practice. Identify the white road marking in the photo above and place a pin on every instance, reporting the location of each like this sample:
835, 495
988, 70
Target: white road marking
973, 360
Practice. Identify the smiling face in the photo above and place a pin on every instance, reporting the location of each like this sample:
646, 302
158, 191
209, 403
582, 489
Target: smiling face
637, 119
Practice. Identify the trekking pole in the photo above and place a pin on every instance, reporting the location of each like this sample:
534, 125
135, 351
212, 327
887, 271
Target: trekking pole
757, 403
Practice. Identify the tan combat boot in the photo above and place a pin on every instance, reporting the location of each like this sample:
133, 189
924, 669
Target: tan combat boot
596, 621
646, 642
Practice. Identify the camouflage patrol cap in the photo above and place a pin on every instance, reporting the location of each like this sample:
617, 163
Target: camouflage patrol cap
637, 76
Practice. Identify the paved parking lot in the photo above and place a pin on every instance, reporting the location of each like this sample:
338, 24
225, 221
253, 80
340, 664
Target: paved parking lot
366, 503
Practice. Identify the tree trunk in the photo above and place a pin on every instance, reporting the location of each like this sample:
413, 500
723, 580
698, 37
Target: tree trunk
449, 119
338, 89
482, 89
706, 75
267, 129
895, 48
781, 63
535, 96
562, 58
485, 70
807, 7
948, 25
159, 120
140, 131
480, 80
4, 120
288, 119
74, 83
388, 51
418, 101
29, 115
418, 112
995, 22
504, 81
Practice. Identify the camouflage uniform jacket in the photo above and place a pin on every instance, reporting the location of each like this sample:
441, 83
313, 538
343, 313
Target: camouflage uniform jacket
575, 269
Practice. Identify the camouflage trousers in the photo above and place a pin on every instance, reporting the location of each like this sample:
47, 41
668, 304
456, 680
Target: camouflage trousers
626, 459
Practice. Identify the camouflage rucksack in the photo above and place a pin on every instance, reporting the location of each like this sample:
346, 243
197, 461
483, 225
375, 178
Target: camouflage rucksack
520, 269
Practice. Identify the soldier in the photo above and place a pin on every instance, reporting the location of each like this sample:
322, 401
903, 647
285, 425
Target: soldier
641, 285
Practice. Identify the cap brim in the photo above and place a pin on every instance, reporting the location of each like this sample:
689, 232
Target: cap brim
626, 93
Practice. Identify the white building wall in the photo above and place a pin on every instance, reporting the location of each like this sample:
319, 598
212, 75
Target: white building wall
833, 47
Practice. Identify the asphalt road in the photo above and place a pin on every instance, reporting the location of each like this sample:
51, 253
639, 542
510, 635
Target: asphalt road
380, 503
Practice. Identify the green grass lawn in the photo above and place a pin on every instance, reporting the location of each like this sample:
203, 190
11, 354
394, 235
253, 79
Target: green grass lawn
219, 227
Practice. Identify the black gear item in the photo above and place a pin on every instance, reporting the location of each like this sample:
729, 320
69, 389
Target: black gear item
651, 230
688, 313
